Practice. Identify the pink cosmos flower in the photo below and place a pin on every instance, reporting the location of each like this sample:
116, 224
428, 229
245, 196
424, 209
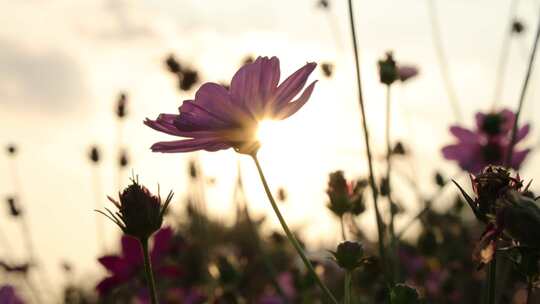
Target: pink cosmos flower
488, 143
129, 264
220, 118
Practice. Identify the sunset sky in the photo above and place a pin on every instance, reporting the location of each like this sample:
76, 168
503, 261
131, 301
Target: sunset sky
63, 64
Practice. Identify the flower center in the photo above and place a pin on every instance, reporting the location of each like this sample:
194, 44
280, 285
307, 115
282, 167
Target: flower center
492, 124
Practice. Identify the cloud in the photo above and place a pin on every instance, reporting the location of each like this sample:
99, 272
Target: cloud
40, 80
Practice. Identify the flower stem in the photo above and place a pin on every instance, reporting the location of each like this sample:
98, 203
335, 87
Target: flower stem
343, 234
148, 271
492, 280
529, 290
443, 63
348, 281
289, 234
508, 161
374, 191
505, 50
393, 246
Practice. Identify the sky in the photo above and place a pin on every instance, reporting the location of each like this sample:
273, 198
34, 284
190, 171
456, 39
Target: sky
63, 64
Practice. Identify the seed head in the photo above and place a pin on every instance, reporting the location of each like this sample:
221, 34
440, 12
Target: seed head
349, 255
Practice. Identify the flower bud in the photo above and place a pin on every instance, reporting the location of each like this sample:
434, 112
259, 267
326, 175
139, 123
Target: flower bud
94, 154
388, 71
349, 255
173, 65
140, 213
189, 79
123, 161
14, 210
327, 69
11, 149
121, 105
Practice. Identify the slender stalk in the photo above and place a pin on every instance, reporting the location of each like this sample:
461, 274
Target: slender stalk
343, 234
348, 281
530, 288
522, 97
374, 191
492, 280
441, 58
148, 271
289, 234
100, 230
388, 178
501, 67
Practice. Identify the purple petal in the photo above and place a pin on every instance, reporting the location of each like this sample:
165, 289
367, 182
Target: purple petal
131, 251
164, 124
193, 117
162, 244
508, 120
291, 108
480, 117
189, 145
114, 264
523, 132
289, 88
255, 84
464, 135
215, 99
468, 156
518, 157
107, 284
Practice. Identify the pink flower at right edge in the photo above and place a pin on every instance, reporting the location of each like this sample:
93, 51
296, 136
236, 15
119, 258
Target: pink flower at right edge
488, 143
8, 295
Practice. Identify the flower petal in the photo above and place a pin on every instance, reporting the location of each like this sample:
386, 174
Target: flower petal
215, 99
480, 117
464, 135
523, 132
189, 145
289, 88
255, 84
518, 157
468, 156
193, 117
131, 251
292, 107
162, 244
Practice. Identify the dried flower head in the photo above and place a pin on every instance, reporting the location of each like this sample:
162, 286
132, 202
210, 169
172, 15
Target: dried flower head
349, 255
14, 209
140, 213
220, 119
388, 71
517, 27
11, 149
94, 154
121, 105
345, 196
172, 64
327, 68
123, 160
188, 79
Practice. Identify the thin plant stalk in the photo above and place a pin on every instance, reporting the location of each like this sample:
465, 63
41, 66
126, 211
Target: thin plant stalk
530, 288
290, 236
503, 58
119, 142
374, 191
148, 271
441, 58
522, 97
347, 287
100, 230
342, 223
388, 174
492, 280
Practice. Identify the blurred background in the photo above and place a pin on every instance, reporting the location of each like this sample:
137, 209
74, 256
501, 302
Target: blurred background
64, 65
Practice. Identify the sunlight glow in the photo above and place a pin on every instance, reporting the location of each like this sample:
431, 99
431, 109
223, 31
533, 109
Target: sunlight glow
271, 132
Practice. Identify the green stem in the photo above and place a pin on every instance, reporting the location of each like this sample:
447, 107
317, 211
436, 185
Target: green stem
374, 191
289, 234
443, 63
343, 234
508, 161
148, 271
492, 280
393, 245
348, 282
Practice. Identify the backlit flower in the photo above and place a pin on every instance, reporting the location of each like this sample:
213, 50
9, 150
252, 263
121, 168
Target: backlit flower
220, 119
488, 143
9, 296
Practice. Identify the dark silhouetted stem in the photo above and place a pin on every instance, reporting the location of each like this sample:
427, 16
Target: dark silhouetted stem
290, 236
508, 161
505, 50
530, 288
393, 246
441, 58
148, 271
100, 230
343, 234
492, 280
347, 291
374, 191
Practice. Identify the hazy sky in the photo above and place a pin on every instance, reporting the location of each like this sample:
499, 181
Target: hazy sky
63, 63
